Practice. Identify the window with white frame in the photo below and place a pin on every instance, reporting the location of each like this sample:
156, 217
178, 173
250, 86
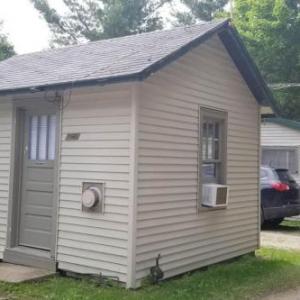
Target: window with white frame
213, 138
281, 158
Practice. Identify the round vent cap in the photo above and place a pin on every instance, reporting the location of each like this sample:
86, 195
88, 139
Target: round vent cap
90, 197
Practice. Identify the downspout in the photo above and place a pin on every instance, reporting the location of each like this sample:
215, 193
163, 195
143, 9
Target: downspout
59, 142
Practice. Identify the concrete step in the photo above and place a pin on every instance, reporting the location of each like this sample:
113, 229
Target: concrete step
16, 273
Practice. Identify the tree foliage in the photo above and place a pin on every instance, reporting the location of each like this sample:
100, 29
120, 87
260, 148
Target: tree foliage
6, 49
97, 19
204, 10
271, 31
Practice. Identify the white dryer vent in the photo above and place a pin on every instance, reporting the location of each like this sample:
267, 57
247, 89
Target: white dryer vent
92, 197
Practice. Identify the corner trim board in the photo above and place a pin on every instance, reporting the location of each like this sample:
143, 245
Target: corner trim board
133, 177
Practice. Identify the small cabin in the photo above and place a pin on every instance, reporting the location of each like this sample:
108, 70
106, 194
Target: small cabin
280, 141
117, 152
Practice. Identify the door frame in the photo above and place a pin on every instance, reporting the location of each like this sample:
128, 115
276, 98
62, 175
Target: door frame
15, 185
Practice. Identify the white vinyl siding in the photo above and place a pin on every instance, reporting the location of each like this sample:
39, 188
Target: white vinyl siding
92, 242
167, 220
275, 136
5, 150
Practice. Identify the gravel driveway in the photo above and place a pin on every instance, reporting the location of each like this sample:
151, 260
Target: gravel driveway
286, 236
281, 239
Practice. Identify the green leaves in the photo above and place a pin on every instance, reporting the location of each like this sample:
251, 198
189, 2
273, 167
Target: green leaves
97, 19
204, 10
271, 31
6, 49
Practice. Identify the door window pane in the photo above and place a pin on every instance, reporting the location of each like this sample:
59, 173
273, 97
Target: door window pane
42, 136
52, 137
43, 132
33, 138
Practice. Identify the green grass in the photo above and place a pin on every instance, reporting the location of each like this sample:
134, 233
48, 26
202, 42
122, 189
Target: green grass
291, 224
248, 277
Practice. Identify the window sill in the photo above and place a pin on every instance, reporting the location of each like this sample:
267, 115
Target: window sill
208, 209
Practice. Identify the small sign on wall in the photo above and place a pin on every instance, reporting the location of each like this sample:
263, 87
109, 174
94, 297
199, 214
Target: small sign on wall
72, 137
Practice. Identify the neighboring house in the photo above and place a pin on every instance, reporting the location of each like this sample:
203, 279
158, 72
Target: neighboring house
105, 147
280, 141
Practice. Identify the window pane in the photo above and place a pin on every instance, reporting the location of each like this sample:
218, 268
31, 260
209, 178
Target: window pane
216, 138
217, 130
33, 134
52, 136
210, 134
204, 141
43, 132
217, 150
209, 171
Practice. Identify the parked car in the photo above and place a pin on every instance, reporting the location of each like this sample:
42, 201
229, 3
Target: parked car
280, 195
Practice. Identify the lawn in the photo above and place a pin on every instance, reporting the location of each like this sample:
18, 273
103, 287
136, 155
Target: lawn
290, 224
248, 277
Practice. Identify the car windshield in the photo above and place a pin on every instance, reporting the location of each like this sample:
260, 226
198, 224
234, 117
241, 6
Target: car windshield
284, 175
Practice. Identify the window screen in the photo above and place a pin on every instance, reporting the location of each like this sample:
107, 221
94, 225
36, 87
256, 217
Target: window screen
281, 158
42, 136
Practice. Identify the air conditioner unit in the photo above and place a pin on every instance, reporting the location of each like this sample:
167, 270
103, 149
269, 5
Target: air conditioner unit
215, 195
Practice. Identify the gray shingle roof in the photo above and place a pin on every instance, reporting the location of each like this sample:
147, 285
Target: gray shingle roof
112, 58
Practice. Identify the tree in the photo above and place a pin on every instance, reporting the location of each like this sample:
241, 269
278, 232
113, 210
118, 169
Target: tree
6, 49
271, 32
97, 19
204, 10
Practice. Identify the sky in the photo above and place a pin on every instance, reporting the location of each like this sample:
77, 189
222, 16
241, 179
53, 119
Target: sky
26, 30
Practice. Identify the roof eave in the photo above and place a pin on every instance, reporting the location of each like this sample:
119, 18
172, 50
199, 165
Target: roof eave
283, 122
75, 84
232, 43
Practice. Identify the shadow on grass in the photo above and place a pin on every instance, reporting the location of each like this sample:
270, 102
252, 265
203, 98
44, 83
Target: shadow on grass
248, 277
285, 226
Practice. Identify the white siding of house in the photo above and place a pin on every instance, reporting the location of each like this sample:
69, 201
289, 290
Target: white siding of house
275, 135
91, 242
167, 220
5, 150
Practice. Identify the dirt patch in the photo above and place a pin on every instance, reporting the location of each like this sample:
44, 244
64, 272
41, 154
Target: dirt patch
289, 295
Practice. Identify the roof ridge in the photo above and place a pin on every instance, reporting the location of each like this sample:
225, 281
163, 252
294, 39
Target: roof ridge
117, 38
